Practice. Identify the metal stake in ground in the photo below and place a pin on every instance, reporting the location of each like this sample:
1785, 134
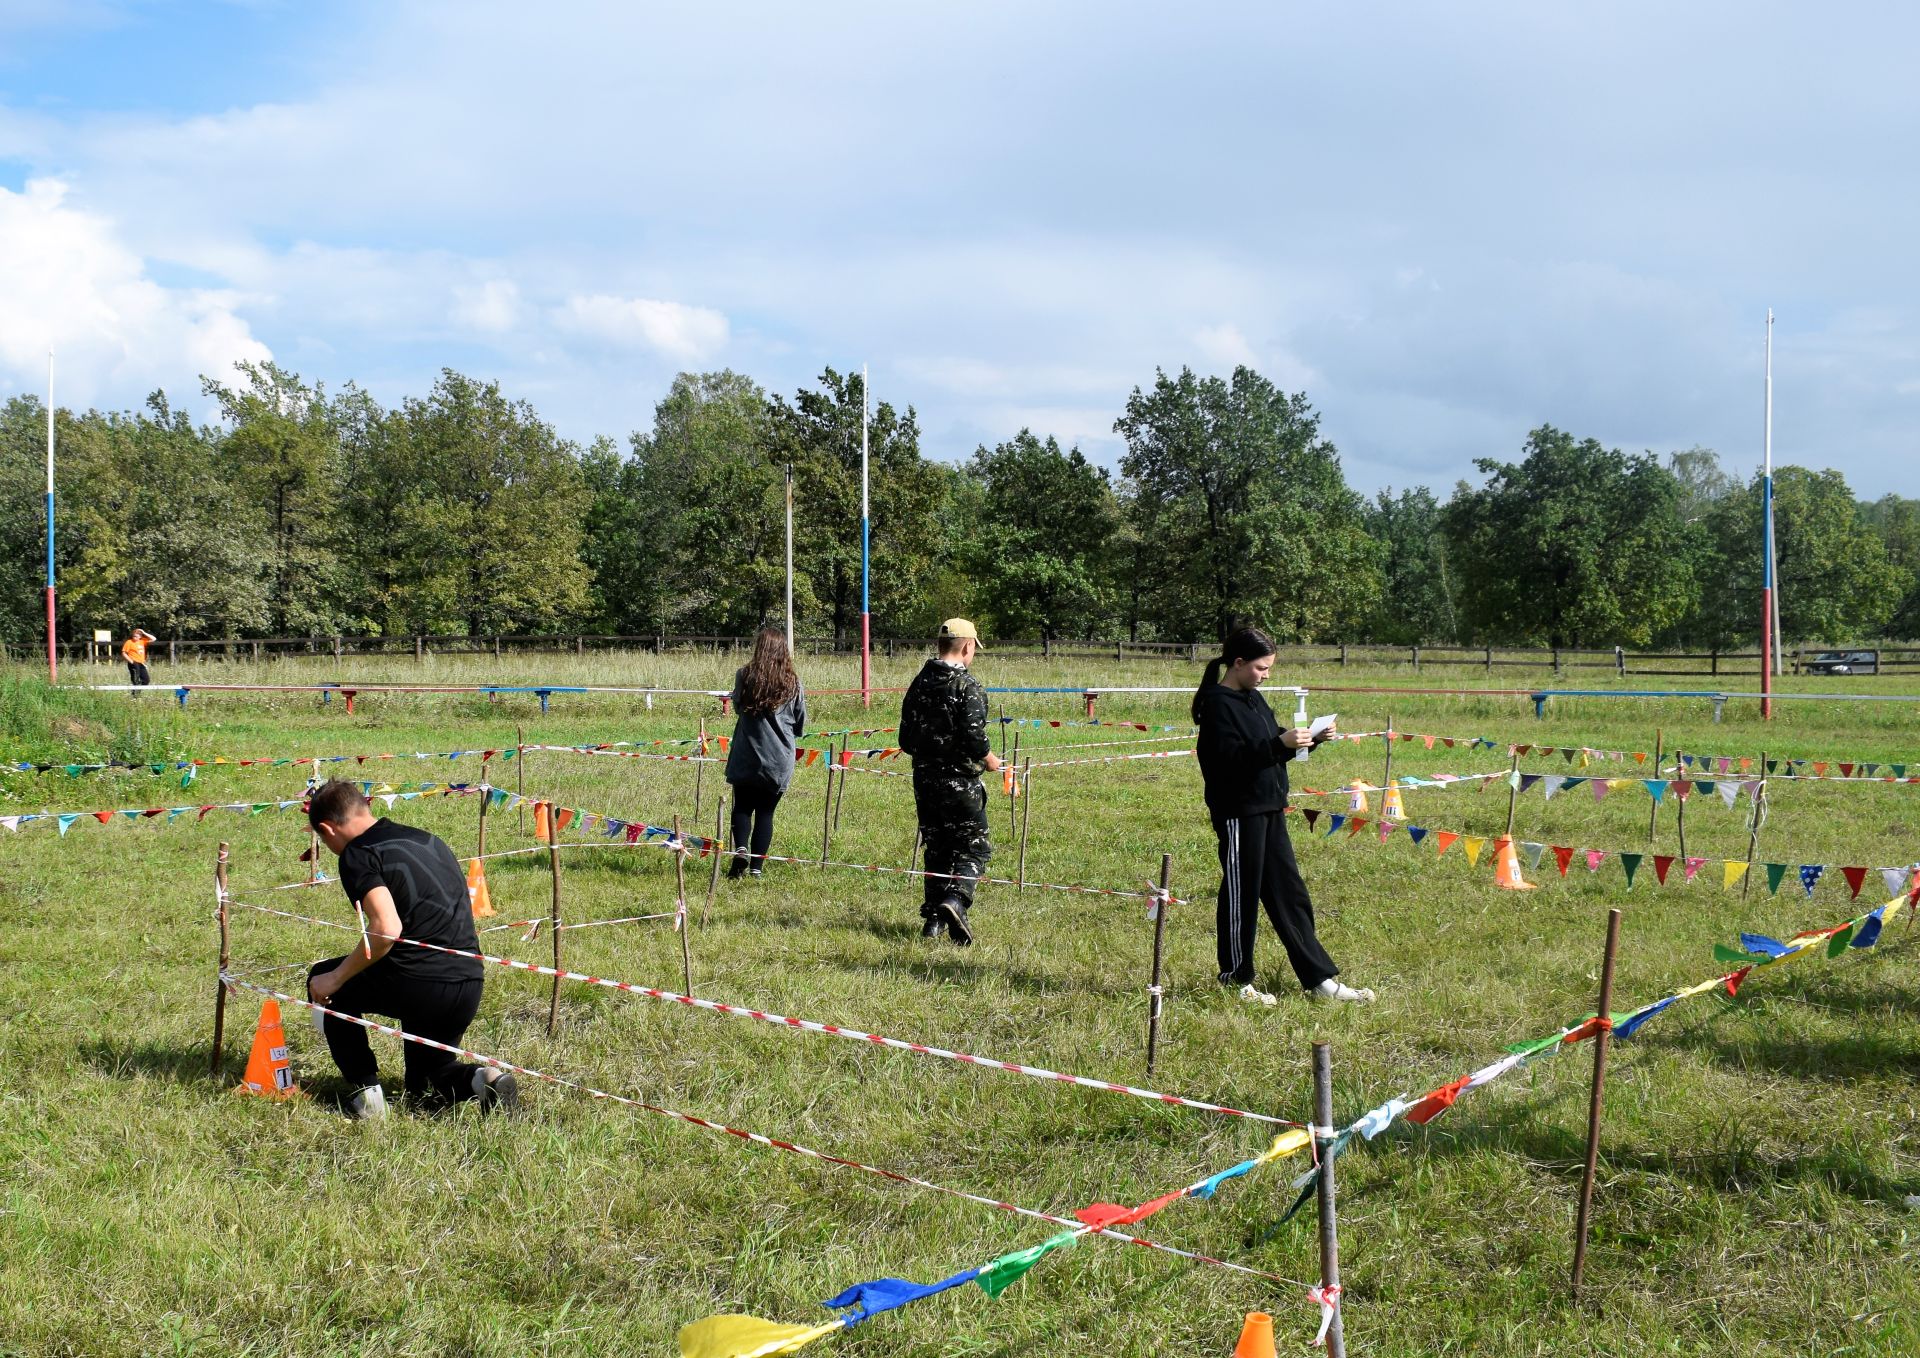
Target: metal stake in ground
826, 807
1513, 791
913, 854
1680, 805
1013, 826
1329, 1226
220, 986
1159, 951
520, 776
700, 768
1758, 811
1593, 1105
719, 838
1024, 783
1653, 812
680, 907
486, 798
553, 915
1386, 774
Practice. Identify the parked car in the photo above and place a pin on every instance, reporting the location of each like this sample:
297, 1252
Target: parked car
1845, 662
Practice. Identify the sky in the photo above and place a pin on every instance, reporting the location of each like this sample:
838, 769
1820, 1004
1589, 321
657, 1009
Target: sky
1446, 224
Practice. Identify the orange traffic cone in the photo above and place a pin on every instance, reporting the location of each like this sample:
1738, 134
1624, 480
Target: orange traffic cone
268, 1071
1390, 804
1506, 867
477, 890
1256, 1337
1359, 800
540, 831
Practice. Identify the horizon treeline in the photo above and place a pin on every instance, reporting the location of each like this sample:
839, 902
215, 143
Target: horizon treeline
303, 512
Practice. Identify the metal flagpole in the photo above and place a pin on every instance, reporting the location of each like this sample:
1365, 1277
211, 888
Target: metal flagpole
789, 558
53, 660
1767, 657
866, 598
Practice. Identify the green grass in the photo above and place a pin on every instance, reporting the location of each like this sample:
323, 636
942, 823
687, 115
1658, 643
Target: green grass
1757, 1156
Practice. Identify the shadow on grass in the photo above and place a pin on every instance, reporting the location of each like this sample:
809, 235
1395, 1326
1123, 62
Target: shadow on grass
187, 1065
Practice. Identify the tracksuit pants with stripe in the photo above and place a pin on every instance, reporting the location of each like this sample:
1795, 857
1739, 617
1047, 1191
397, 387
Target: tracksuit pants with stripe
1257, 868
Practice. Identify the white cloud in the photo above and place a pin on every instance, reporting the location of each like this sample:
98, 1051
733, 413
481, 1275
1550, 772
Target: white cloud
492, 306
1225, 347
68, 281
681, 332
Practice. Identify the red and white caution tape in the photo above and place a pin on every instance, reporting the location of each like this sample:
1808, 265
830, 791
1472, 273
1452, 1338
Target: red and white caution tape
234, 980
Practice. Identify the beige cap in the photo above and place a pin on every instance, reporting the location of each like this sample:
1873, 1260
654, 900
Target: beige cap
960, 628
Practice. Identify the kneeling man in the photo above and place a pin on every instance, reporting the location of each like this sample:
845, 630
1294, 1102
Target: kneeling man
409, 885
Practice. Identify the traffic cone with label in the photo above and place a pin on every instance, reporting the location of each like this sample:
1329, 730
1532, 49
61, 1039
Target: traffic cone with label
269, 1072
1506, 867
1358, 801
1256, 1337
1390, 804
540, 831
477, 896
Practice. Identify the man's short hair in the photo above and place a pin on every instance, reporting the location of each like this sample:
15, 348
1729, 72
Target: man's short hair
335, 801
946, 646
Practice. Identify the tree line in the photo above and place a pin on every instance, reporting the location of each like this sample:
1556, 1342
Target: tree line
300, 511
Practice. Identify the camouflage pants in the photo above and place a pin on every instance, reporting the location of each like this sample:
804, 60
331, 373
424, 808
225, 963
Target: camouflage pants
953, 832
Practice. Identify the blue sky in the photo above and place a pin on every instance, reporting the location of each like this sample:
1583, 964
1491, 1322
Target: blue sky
1445, 224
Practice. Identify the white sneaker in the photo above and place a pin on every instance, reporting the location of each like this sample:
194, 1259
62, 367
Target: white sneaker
1252, 994
1330, 989
367, 1105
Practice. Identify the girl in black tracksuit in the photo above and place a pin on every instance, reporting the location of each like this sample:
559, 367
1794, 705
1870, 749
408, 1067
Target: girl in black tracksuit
1243, 760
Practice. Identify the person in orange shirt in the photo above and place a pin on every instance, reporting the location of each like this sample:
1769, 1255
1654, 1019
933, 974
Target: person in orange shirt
134, 651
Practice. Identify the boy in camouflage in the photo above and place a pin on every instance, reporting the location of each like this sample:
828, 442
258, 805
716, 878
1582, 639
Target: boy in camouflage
943, 727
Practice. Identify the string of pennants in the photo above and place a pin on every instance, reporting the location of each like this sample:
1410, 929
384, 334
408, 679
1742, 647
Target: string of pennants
190, 768
1851, 771
1731, 870
385, 792
1756, 952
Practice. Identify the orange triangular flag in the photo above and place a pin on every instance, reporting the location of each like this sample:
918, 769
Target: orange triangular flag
1442, 841
269, 1073
477, 896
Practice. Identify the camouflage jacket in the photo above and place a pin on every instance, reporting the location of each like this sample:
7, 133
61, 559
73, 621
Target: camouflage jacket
943, 720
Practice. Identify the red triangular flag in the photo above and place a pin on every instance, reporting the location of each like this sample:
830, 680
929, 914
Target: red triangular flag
1733, 981
1661, 862
1563, 856
1854, 876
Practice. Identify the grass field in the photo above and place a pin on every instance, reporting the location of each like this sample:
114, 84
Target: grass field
1758, 1152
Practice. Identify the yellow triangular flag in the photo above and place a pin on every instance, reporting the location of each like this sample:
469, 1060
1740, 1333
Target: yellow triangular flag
1473, 847
1733, 872
1285, 1144
748, 1337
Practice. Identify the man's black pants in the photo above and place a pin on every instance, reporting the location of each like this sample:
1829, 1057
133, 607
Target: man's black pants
1257, 868
952, 808
437, 1010
137, 674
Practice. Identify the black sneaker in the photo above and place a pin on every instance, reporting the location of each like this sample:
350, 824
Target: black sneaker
952, 912
495, 1089
737, 869
932, 928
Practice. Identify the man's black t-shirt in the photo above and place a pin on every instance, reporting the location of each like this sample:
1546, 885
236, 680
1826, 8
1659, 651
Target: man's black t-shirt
429, 891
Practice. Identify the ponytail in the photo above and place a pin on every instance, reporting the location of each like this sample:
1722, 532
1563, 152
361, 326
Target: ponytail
1249, 643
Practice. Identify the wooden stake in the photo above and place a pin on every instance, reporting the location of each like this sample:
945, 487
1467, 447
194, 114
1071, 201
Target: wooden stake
719, 852
1329, 1224
486, 799
1154, 996
1012, 824
1593, 1105
1386, 774
553, 915
913, 854
840, 797
220, 985
1513, 792
520, 776
1758, 813
1025, 785
680, 908
1653, 812
313, 835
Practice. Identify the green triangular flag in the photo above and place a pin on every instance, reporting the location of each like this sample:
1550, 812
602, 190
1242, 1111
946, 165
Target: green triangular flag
1838, 943
1722, 953
997, 1276
1631, 862
1775, 871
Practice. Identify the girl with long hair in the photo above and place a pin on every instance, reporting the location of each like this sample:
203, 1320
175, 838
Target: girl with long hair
1243, 757
772, 710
